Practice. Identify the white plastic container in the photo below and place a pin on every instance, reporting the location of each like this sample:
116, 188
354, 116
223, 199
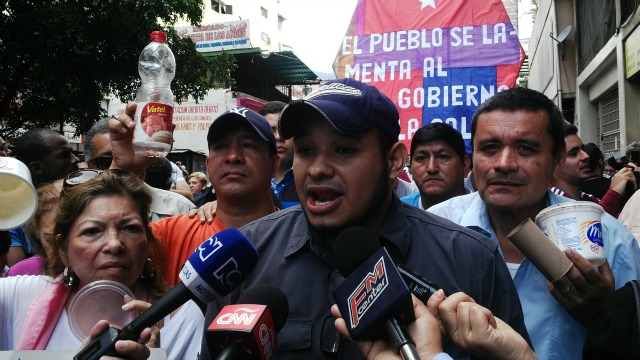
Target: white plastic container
575, 225
18, 197
99, 300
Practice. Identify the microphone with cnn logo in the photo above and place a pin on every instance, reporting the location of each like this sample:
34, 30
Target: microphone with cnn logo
248, 329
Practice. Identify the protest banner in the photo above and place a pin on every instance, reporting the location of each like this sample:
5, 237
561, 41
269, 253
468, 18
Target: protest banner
437, 60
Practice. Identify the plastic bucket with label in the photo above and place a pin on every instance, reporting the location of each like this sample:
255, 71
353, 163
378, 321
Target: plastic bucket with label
575, 225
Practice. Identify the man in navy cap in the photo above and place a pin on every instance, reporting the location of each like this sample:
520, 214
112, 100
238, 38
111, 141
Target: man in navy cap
242, 160
346, 156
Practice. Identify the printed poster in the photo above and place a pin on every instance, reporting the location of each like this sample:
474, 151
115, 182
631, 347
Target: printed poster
437, 60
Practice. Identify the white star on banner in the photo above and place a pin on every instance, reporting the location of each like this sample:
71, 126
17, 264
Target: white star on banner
426, 3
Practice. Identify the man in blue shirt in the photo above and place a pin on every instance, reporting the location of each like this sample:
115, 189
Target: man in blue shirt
282, 184
438, 165
518, 141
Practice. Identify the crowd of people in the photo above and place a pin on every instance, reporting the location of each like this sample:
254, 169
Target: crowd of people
292, 177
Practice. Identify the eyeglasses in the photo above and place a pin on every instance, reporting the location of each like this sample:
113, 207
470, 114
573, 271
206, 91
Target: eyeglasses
102, 162
80, 176
83, 175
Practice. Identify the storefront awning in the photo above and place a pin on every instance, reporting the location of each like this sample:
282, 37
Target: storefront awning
269, 76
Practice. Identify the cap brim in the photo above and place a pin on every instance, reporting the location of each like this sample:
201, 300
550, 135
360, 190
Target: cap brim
341, 117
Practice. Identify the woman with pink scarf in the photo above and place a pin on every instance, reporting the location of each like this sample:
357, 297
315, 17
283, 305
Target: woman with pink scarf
102, 233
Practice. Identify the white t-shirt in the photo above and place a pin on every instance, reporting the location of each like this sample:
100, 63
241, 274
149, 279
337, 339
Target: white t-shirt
176, 175
406, 188
513, 269
181, 336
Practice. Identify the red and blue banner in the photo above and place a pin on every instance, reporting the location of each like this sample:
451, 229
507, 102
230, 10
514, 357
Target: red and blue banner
438, 60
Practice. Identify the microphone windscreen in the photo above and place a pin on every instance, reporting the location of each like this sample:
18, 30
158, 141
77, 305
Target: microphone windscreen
273, 298
352, 247
219, 265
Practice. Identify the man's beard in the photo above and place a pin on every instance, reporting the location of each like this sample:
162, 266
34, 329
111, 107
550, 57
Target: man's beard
371, 208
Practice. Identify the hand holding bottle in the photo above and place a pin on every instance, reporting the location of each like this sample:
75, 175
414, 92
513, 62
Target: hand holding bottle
154, 115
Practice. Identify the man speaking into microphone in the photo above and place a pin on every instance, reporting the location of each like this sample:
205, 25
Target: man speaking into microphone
346, 157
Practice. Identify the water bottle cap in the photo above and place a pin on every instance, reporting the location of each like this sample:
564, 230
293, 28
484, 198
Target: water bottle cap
159, 36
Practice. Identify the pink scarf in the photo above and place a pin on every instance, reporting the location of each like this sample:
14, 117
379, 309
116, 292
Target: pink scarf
43, 315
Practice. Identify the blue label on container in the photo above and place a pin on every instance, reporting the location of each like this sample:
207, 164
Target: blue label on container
593, 231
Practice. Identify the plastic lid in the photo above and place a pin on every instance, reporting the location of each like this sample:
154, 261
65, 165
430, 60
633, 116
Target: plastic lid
569, 207
159, 36
99, 300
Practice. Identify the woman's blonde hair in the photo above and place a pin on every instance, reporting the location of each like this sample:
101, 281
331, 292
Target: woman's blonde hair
200, 176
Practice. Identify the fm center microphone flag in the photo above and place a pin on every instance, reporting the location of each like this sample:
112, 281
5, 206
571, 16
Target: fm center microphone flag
210, 276
437, 60
371, 294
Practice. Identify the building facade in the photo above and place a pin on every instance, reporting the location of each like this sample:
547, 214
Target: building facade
584, 56
265, 18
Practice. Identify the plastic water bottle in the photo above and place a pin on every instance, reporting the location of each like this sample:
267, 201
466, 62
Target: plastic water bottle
154, 114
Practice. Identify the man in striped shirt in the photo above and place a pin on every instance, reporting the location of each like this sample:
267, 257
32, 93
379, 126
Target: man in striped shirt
568, 176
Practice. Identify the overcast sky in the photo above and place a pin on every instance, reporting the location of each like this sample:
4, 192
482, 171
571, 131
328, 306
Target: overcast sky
314, 28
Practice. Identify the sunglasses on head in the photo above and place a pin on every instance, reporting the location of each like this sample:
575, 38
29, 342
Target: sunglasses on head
102, 162
83, 175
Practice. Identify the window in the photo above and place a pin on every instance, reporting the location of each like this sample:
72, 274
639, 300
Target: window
265, 38
628, 8
609, 123
596, 20
219, 7
281, 19
265, 13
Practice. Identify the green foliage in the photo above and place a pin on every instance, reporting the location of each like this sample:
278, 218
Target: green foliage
60, 58
222, 68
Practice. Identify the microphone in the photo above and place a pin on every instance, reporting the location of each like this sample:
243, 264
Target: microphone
373, 298
418, 285
247, 330
214, 269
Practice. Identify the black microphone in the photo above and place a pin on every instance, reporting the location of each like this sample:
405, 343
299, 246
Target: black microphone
247, 330
418, 285
373, 299
214, 269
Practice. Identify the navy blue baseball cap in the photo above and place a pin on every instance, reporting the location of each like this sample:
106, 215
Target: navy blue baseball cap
257, 122
352, 107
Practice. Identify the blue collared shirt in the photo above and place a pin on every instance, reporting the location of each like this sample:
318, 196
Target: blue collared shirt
285, 190
20, 238
554, 333
413, 199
